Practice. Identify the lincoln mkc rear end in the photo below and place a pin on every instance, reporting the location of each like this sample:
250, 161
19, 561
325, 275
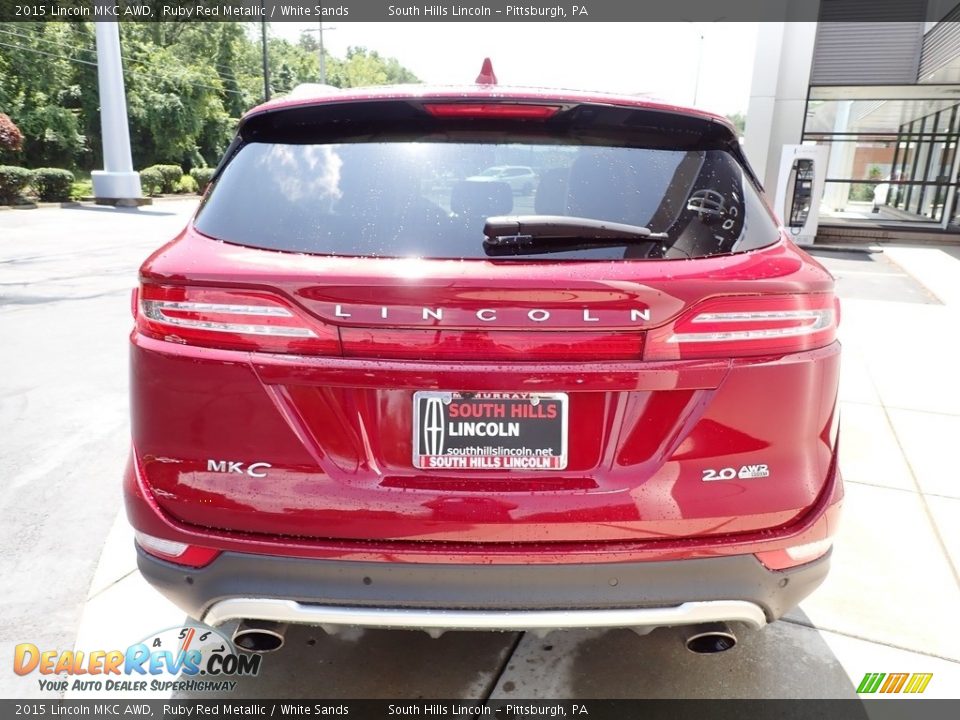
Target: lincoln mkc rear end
372, 387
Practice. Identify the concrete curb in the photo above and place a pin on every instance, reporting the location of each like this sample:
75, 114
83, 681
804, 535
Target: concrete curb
90, 202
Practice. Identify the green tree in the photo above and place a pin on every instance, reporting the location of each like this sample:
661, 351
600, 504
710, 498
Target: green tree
739, 121
170, 105
187, 85
363, 67
37, 69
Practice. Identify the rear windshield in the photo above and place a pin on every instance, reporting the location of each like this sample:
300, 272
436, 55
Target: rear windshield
431, 198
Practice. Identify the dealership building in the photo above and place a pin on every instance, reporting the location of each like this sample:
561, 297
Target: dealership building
883, 96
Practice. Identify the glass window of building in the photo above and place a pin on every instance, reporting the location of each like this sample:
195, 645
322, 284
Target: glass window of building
893, 152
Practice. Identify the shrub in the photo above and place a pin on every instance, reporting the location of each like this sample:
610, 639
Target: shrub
13, 181
186, 184
169, 176
52, 184
203, 177
151, 181
10, 136
82, 188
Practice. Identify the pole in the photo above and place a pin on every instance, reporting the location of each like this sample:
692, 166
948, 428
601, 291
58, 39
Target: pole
117, 180
323, 60
700, 37
320, 50
266, 62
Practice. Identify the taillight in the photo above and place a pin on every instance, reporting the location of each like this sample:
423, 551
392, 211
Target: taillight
232, 319
515, 111
747, 325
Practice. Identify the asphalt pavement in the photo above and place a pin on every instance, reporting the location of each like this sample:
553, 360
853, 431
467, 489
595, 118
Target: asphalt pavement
65, 281
890, 603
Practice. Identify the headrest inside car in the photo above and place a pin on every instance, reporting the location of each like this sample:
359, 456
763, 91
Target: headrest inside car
603, 186
551, 196
474, 198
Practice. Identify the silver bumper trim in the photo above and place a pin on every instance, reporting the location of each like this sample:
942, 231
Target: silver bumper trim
290, 611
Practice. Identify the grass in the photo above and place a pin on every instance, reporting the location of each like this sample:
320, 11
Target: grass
82, 185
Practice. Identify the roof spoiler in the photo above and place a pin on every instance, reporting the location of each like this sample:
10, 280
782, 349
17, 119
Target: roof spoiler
304, 91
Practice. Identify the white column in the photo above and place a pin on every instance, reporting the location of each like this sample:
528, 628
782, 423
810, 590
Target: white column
117, 180
778, 94
763, 94
840, 165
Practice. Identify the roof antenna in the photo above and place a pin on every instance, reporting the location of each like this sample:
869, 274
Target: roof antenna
486, 76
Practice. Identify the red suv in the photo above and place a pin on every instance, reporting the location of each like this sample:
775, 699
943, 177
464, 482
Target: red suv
370, 389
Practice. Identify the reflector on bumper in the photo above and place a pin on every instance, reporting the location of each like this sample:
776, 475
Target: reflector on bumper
176, 552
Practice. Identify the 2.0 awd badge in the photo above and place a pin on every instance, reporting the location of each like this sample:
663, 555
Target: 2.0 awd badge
746, 472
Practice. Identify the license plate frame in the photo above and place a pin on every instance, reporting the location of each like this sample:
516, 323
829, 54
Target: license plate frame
541, 442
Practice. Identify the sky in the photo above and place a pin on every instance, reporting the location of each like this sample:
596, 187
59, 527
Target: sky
657, 59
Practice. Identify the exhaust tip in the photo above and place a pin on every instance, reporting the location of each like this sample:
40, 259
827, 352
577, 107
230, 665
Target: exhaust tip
259, 636
710, 638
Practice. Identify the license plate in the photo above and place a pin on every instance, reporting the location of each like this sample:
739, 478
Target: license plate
489, 431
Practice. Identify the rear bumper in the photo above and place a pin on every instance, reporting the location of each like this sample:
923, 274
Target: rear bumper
433, 596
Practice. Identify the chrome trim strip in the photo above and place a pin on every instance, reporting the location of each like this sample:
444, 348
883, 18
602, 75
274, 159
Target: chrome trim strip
221, 309
290, 611
154, 309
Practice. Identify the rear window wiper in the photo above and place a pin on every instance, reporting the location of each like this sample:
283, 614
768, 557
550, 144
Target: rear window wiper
524, 234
